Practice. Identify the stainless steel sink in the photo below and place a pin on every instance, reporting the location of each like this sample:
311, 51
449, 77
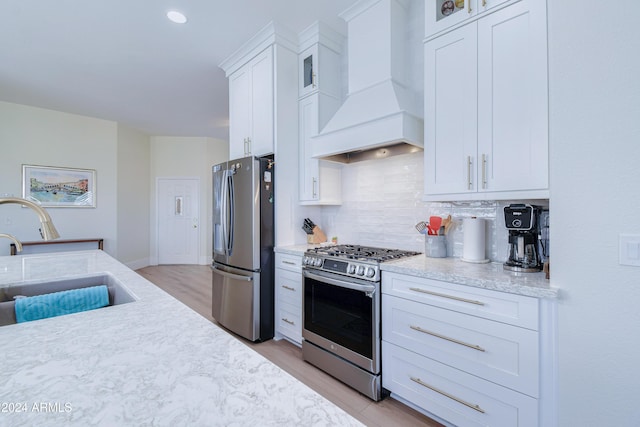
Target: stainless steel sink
118, 293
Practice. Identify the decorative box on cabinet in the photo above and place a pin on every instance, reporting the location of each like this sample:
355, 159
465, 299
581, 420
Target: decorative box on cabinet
487, 81
444, 14
320, 97
288, 297
467, 355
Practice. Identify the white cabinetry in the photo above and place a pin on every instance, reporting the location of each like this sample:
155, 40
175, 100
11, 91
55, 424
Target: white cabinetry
320, 96
444, 14
467, 355
288, 297
486, 107
251, 107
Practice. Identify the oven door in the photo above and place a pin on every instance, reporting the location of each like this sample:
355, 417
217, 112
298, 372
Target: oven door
342, 315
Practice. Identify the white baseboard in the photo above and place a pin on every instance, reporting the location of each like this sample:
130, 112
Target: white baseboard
140, 263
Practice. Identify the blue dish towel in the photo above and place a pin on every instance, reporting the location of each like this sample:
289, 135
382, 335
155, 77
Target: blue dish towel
61, 303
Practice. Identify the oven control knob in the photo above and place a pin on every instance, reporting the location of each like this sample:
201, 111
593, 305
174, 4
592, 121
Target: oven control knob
371, 272
305, 260
351, 269
361, 270
317, 262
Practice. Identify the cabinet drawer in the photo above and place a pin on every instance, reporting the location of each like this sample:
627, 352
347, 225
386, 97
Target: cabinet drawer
503, 307
459, 398
504, 354
289, 321
289, 262
289, 287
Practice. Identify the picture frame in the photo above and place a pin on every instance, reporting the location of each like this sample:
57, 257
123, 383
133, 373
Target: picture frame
59, 187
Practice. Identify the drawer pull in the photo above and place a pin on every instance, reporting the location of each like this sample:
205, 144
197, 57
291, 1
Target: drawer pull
470, 301
288, 262
466, 344
291, 322
289, 288
450, 396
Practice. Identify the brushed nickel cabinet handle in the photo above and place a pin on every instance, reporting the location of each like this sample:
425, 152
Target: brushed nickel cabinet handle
484, 3
484, 171
315, 186
450, 396
288, 262
469, 180
469, 6
453, 340
437, 294
289, 288
288, 321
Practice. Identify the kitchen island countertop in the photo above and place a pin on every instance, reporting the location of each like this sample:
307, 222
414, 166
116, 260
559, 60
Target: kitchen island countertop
149, 362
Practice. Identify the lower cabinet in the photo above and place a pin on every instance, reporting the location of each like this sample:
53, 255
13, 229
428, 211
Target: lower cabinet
470, 356
288, 297
454, 395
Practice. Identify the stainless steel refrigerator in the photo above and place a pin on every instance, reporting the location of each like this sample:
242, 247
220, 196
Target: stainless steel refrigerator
243, 235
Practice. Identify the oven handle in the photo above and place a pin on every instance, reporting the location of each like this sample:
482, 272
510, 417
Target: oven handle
369, 289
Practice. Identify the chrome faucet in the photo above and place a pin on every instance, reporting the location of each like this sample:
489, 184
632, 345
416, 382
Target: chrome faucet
47, 230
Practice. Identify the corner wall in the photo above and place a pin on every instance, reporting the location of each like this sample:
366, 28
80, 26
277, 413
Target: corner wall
36, 136
595, 183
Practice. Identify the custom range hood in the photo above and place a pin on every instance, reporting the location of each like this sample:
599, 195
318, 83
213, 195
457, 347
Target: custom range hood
380, 115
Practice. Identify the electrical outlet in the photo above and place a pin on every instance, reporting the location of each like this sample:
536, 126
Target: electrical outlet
630, 249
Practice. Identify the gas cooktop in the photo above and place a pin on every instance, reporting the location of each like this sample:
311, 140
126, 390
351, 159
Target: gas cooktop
362, 253
362, 262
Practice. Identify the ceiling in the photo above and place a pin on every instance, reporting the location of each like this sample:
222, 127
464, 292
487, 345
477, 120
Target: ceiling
123, 60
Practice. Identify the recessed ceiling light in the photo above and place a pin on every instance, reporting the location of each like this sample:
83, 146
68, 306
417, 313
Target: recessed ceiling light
177, 17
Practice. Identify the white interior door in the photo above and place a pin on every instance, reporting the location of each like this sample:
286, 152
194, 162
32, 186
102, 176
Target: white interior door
178, 220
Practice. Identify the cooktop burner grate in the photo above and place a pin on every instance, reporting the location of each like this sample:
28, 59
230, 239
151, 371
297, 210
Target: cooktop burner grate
368, 253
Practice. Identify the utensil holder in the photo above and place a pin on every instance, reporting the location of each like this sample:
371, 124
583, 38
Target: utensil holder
435, 246
317, 237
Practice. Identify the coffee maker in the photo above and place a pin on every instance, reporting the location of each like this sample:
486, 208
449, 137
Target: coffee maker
522, 221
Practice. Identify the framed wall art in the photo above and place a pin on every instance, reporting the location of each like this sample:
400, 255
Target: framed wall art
55, 187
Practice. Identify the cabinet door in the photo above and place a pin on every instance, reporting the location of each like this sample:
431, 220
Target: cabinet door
239, 112
512, 98
308, 127
451, 112
442, 14
307, 65
262, 98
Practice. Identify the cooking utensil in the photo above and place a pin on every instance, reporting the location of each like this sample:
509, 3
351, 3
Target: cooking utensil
434, 224
447, 223
421, 227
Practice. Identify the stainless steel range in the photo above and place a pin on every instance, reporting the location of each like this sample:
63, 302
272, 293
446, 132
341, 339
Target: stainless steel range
341, 313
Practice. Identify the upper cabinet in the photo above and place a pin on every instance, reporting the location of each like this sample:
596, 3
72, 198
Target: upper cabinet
320, 90
319, 61
443, 14
486, 107
251, 107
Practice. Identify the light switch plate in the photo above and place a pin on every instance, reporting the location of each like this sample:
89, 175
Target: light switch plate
630, 249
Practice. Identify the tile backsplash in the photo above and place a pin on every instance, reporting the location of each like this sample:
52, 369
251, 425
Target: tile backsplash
382, 203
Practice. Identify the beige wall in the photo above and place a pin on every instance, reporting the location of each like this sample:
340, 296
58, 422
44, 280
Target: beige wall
193, 157
133, 197
37, 136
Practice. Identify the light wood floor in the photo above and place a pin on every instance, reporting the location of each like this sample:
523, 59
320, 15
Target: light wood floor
191, 284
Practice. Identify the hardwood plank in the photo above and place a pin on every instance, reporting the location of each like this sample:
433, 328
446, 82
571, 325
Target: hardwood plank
191, 284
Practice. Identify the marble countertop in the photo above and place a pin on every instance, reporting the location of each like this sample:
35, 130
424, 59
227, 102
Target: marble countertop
150, 362
488, 276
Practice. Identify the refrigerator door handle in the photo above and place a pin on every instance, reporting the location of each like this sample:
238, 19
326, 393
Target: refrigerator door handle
232, 211
223, 213
231, 275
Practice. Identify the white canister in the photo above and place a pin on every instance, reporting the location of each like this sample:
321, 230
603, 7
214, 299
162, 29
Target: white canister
473, 248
